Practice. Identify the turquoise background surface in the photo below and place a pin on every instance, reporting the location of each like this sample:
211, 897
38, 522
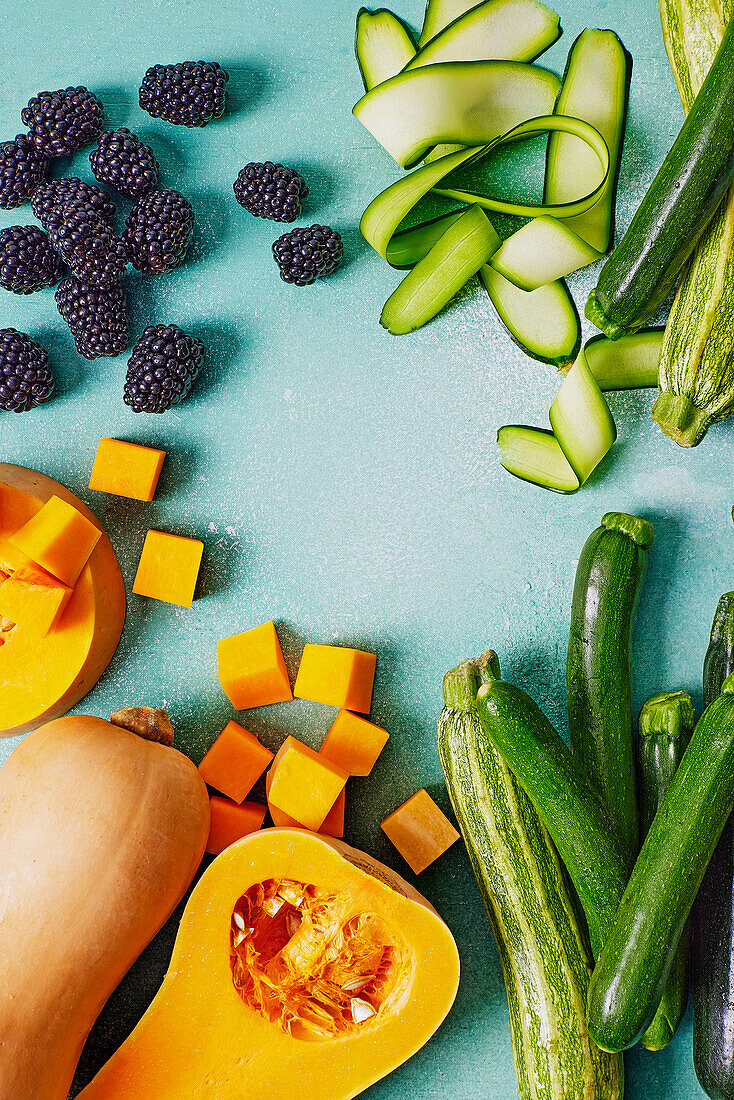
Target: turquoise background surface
346, 482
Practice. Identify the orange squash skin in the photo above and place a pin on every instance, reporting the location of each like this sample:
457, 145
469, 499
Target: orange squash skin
101, 832
200, 1040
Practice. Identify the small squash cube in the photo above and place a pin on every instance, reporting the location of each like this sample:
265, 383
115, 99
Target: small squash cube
420, 831
168, 568
304, 785
332, 825
337, 676
252, 671
235, 762
354, 743
126, 469
230, 821
33, 599
59, 539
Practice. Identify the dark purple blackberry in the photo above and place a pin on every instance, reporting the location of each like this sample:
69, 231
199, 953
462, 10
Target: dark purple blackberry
22, 168
97, 317
88, 244
191, 93
25, 378
123, 162
49, 200
27, 260
304, 255
61, 122
158, 232
271, 191
164, 363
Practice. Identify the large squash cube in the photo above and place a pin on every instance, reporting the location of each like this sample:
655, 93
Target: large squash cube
59, 539
235, 762
252, 671
337, 676
126, 469
420, 831
354, 743
168, 568
33, 599
231, 821
332, 825
303, 784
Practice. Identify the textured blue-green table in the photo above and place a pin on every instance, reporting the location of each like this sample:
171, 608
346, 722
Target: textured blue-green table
346, 482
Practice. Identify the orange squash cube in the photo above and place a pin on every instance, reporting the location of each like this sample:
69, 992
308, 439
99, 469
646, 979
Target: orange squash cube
304, 785
252, 671
235, 762
168, 568
332, 825
420, 831
59, 539
33, 599
230, 821
337, 676
126, 469
354, 743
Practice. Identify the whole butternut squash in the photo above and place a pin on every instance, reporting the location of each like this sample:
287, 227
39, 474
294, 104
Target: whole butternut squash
101, 832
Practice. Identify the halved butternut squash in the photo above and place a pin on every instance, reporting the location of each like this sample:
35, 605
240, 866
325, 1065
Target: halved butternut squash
302, 968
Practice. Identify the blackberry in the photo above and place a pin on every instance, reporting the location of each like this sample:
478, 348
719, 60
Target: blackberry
49, 200
27, 260
25, 378
122, 161
97, 317
158, 232
22, 168
304, 255
88, 244
191, 93
271, 191
164, 363
61, 122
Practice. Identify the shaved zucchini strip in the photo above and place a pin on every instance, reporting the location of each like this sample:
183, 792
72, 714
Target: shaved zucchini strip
455, 257
534, 455
544, 322
439, 13
509, 30
411, 245
383, 45
628, 363
542, 251
581, 420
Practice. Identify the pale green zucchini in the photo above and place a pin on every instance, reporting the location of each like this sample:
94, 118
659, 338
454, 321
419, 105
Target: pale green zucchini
629, 363
535, 455
439, 13
383, 45
545, 249
581, 420
543, 322
510, 30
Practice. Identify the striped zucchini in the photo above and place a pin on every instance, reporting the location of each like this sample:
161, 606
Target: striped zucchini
543, 952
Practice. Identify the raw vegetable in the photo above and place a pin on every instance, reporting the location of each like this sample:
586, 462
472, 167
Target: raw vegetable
251, 668
666, 724
439, 13
332, 825
595, 88
544, 955
609, 579
543, 322
59, 538
420, 831
383, 45
581, 420
713, 910
213, 1028
31, 598
169, 568
632, 969
409, 246
100, 834
304, 784
509, 30
464, 247
631, 362
535, 455
230, 821
126, 469
353, 743
235, 762
677, 208
544, 250
336, 676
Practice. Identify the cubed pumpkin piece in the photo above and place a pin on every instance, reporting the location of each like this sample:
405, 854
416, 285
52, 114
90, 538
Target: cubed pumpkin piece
354, 743
168, 568
33, 599
235, 762
126, 469
337, 676
332, 825
304, 784
420, 831
230, 821
59, 539
252, 671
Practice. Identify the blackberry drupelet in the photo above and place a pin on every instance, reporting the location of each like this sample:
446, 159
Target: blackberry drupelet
25, 378
61, 122
22, 168
27, 260
122, 161
49, 200
271, 191
88, 244
304, 255
191, 93
97, 317
163, 365
158, 232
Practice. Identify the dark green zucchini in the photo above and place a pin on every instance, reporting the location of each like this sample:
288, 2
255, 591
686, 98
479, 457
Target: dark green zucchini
633, 967
713, 913
680, 203
665, 727
609, 579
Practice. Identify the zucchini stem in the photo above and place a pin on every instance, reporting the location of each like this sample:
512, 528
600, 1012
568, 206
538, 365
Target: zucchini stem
680, 419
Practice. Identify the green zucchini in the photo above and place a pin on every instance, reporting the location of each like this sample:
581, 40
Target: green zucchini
609, 579
439, 13
543, 322
409, 246
631, 362
383, 45
581, 420
595, 88
534, 455
542, 949
431, 284
677, 208
510, 30
666, 723
544, 250
634, 964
